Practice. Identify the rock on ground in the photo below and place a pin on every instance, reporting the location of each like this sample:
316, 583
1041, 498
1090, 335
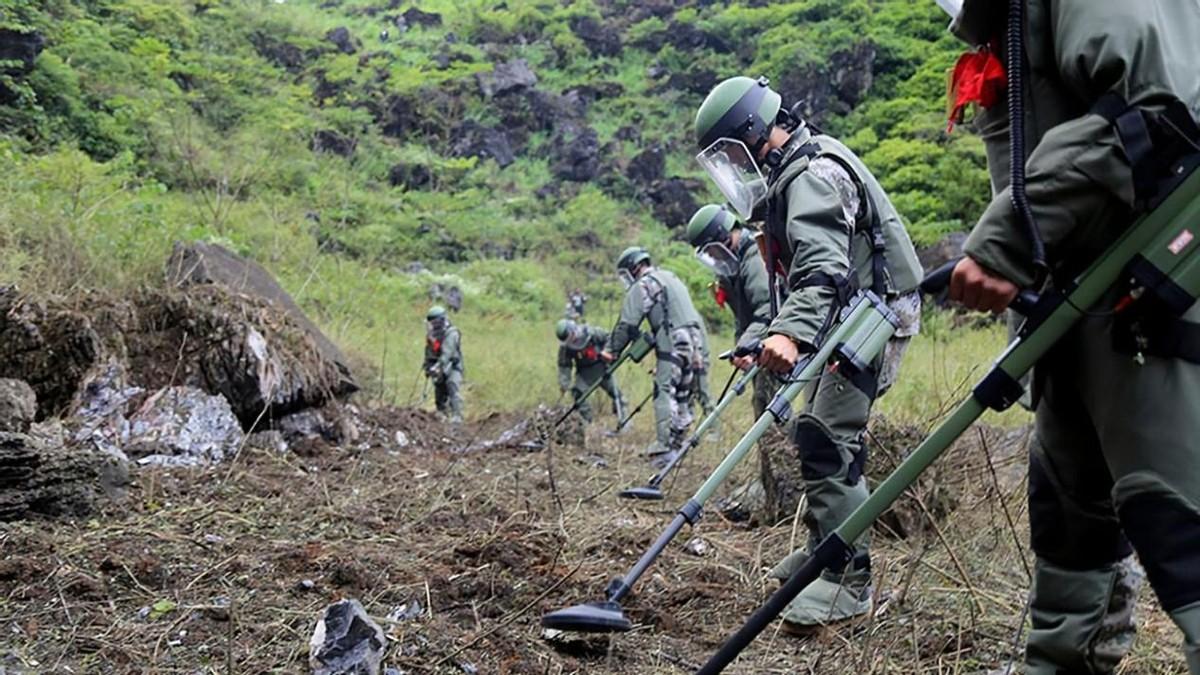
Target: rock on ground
199, 263
346, 641
18, 405
183, 426
39, 476
508, 77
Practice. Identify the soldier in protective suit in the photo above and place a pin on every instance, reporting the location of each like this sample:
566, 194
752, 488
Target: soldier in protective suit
444, 362
579, 356
1111, 94
729, 250
658, 296
830, 230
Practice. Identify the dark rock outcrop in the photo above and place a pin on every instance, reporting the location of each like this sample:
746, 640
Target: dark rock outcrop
576, 155
950, 247
45, 479
506, 78
472, 139
648, 166
600, 40
283, 54
673, 200
333, 142
831, 88
342, 39
22, 49
415, 17
411, 176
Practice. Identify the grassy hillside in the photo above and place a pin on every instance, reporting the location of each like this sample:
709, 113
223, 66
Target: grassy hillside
366, 151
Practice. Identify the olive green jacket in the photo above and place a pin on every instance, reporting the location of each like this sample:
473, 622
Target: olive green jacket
446, 353
748, 292
571, 359
819, 237
1078, 180
661, 298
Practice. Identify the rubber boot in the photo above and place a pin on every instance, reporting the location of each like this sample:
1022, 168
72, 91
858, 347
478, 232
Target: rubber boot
1083, 620
831, 599
1188, 620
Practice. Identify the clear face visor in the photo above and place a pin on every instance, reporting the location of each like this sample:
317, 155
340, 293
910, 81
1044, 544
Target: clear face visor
626, 278
735, 173
576, 338
435, 327
718, 258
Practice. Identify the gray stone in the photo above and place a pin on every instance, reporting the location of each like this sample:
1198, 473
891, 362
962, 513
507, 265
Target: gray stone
472, 139
950, 247
47, 480
577, 156
183, 426
342, 39
346, 641
18, 405
333, 424
505, 78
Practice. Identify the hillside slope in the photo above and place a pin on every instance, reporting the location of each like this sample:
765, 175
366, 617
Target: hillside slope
370, 151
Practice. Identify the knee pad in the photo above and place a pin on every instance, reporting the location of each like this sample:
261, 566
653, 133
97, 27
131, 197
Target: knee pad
1165, 530
1069, 539
819, 453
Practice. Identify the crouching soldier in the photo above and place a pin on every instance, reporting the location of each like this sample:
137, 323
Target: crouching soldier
831, 230
579, 355
444, 362
658, 296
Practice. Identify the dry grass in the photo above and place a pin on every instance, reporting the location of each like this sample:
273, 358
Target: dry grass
485, 544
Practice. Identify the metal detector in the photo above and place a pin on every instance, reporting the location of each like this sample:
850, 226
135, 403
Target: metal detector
636, 352
860, 335
1158, 256
652, 490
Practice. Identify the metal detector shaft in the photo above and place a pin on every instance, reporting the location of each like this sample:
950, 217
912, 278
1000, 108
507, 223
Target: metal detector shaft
637, 350
694, 440
1159, 252
864, 330
634, 412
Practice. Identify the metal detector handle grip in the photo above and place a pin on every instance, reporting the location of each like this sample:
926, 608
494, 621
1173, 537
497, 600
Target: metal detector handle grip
938, 281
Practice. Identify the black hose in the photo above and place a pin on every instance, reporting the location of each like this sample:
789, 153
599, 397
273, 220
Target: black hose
1016, 115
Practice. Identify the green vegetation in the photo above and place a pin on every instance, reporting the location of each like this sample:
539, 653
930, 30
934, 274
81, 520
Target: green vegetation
243, 122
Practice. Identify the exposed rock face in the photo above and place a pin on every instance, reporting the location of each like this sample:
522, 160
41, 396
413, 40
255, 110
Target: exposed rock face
204, 264
18, 406
342, 39
672, 200
506, 78
577, 157
831, 88
415, 17
22, 48
600, 39
472, 139
333, 142
411, 176
647, 167
283, 54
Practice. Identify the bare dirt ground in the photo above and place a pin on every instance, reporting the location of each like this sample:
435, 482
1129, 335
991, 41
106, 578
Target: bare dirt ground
457, 554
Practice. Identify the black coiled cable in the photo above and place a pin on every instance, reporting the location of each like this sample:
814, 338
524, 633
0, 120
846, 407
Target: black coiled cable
1016, 115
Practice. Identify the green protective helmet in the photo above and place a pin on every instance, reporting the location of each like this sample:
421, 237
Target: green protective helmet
435, 312
741, 108
563, 328
631, 257
712, 223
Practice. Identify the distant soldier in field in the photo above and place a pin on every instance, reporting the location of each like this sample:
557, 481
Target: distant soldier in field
444, 362
658, 296
576, 305
580, 365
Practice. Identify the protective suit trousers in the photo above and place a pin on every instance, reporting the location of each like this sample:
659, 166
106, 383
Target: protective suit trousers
1115, 468
674, 386
447, 392
585, 377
